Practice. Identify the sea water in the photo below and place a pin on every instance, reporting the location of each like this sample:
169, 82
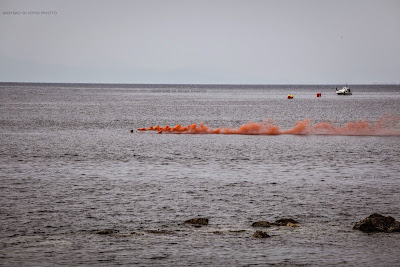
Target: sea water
71, 166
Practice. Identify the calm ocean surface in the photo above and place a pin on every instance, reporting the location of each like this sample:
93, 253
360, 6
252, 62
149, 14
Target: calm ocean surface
70, 167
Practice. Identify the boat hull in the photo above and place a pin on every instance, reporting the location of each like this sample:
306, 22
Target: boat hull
342, 93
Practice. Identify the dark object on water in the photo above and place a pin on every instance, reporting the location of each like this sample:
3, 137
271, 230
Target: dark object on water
107, 232
378, 223
161, 232
131, 131
260, 234
280, 222
284, 222
262, 224
200, 221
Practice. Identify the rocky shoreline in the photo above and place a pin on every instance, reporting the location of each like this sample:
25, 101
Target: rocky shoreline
374, 223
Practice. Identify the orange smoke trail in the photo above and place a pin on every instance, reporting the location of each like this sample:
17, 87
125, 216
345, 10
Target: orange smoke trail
384, 126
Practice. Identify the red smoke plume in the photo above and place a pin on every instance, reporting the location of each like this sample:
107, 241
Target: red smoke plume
384, 126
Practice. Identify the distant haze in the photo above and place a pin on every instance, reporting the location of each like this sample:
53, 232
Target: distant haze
170, 41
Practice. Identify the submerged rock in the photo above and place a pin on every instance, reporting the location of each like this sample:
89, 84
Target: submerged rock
237, 231
107, 232
261, 224
159, 232
135, 233
198, 221
378, 223
284, 222
260, 234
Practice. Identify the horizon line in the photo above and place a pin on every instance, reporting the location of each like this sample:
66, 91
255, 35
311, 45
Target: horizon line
201, 84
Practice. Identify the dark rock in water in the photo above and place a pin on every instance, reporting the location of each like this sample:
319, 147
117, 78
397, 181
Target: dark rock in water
159, 232
135, 233
260, 234
261, 224
107, 232
198, 221
284, 222
237, 231
378, 223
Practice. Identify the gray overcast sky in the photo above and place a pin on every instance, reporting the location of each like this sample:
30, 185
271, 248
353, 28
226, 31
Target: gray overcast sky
171, 41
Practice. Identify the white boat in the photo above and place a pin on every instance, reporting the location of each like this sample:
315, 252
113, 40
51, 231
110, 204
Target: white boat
344, 91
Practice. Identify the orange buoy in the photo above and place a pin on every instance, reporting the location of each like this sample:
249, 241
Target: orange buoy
290, 96
319, 94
